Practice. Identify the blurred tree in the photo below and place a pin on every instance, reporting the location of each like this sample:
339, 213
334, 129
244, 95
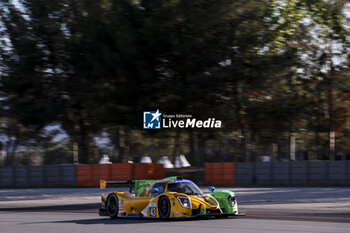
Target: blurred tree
265, 68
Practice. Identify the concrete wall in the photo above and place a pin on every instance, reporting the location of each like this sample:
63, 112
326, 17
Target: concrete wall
298, 173
294, 173
6, 176
244, 173
262, 173
37, 176
68, 175
280, 173
339, 173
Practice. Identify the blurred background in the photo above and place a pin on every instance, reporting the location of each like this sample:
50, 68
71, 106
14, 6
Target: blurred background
76, 76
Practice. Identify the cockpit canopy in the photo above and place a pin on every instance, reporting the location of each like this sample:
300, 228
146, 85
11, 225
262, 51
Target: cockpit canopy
186, 187
178, 186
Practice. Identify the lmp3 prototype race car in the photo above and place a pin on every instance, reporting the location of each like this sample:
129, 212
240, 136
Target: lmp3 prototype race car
172, 197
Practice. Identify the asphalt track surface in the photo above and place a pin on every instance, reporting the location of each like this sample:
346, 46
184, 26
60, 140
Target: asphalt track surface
266, 209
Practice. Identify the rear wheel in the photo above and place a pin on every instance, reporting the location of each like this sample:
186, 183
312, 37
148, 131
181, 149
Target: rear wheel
112, 206
164, 207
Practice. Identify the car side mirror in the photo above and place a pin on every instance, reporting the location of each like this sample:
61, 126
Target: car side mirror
153, 190
211, 188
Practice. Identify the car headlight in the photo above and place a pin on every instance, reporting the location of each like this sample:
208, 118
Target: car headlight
184, 201
231, 200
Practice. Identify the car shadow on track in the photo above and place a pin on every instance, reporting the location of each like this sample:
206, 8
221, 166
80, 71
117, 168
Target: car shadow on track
108, 221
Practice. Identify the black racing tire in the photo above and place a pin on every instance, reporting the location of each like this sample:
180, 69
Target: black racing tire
112, 206
164, 207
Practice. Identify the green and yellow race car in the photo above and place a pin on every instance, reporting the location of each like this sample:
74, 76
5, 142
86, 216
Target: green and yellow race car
172, 197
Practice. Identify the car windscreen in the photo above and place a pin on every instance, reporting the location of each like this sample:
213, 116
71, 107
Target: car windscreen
188, 188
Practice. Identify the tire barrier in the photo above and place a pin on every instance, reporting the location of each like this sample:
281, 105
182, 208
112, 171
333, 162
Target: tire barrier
148, 171
83, 175
220, 174
121, 171
90, 175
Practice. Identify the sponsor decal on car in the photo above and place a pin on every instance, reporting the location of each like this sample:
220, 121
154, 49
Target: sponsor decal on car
153, 211
148, 212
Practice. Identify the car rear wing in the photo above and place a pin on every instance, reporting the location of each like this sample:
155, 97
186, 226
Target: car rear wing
140, 185
104, 183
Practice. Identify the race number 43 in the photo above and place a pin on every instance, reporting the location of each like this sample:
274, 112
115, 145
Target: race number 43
153, 211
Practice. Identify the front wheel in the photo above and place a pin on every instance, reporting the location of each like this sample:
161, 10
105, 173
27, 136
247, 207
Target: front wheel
164, 207
112, 206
